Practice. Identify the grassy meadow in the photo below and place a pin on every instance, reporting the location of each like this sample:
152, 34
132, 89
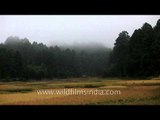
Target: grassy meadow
133, 92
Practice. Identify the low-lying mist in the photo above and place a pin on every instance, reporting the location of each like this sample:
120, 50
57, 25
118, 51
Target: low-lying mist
85, 46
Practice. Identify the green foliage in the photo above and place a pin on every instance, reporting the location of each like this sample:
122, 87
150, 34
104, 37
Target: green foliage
119, 55
138, 55
19, 59
135, 56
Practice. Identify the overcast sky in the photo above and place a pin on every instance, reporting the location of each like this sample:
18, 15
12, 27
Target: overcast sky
71, 29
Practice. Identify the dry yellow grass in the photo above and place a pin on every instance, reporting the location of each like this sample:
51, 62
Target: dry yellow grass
132, 92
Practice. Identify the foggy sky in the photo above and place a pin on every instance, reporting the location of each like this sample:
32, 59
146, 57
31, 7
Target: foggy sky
71, 29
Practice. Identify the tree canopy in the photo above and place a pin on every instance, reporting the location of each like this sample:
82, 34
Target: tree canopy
137, 55
20, 59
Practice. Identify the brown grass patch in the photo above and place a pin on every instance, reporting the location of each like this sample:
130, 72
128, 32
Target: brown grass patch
132, 92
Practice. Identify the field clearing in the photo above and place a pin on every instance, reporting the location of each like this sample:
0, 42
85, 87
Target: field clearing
133, 92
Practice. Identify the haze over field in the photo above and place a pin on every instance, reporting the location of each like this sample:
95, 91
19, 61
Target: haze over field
71, 29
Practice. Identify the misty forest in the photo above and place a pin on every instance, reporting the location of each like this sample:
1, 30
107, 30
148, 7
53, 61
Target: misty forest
135, 56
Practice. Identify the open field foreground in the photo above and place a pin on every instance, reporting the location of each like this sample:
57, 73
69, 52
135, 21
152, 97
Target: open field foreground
130, 92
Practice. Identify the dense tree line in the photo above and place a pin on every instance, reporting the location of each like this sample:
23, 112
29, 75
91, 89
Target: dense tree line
22, 60
132, 56
137, 55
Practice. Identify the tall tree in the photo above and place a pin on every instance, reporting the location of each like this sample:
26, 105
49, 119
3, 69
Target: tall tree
119, 56
140, 51
155, 49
